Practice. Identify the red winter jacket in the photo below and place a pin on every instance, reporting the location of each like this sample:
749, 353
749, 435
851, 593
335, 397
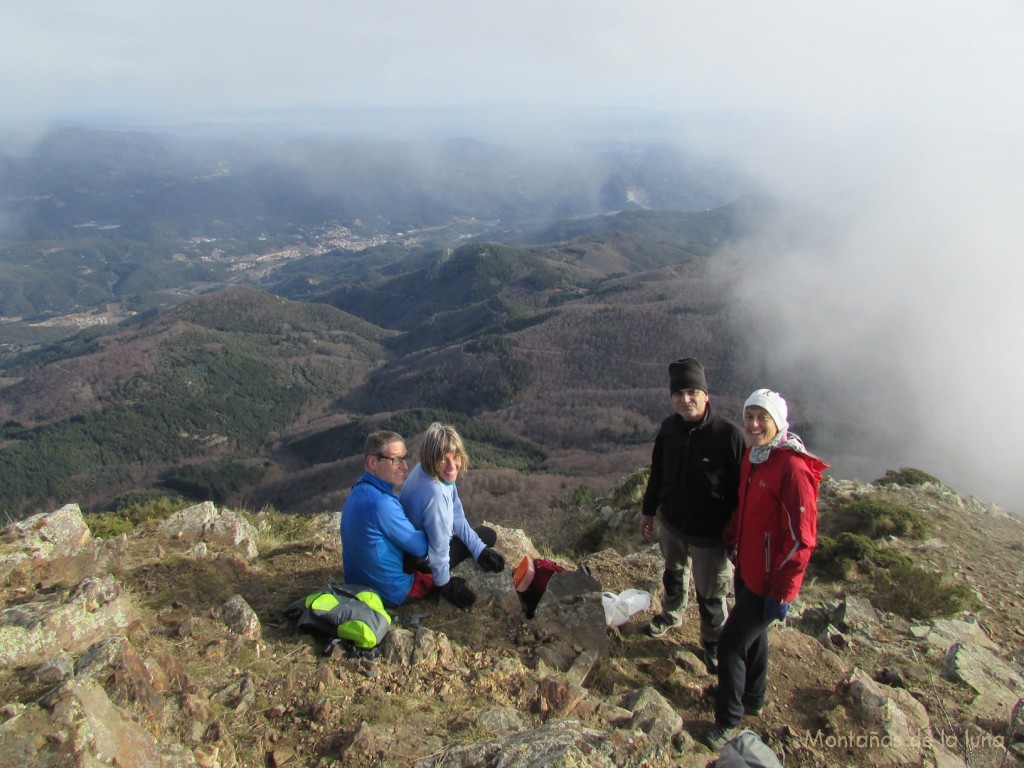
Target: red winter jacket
775, 526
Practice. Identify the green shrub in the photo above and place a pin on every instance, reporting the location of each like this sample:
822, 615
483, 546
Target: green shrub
630, 489
577, 498
878, 518
836, 559
839, 558
592, 538
108, 525
890, 558
896, 583
906, 476
132, 509
915, 593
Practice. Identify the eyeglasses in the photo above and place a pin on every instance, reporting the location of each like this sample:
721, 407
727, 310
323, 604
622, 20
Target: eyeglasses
395, 460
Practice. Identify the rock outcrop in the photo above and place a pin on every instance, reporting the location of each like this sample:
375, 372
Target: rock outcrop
169, 648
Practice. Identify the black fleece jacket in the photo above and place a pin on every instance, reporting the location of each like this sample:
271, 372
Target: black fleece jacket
695, 475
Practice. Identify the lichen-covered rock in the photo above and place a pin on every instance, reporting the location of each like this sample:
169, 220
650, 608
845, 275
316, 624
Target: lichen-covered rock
115, 665
79, 726
205, 523
47, 535
61, 537
33, 633
898, 722
653, 714
997, 682
424, 647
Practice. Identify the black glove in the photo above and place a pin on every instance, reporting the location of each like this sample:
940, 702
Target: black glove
491, 560
458, 593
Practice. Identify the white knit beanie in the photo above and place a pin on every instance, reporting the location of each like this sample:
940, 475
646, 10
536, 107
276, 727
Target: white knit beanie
774, 404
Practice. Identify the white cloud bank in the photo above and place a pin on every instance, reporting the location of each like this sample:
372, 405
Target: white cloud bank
903, 316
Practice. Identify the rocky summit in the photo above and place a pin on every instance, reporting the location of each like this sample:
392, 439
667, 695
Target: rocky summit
169, 646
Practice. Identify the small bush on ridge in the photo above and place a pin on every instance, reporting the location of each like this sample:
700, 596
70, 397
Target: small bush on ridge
906, 476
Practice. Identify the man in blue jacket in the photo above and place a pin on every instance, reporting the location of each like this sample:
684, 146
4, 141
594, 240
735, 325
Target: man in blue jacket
374, 529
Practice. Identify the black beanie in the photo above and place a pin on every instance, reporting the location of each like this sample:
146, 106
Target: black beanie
686, 374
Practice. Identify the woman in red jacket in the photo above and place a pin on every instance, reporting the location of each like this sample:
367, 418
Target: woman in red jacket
773, 531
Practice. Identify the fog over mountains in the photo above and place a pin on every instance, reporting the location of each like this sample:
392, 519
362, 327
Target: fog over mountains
867, 289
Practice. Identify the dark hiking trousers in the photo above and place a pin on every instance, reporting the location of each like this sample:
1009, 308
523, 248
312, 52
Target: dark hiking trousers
742, 658
457, 551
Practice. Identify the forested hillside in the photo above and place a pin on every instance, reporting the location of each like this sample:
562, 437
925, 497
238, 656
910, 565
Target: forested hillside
553, 364
109, 412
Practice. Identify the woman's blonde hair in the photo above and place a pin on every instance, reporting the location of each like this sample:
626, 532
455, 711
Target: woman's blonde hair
438, 440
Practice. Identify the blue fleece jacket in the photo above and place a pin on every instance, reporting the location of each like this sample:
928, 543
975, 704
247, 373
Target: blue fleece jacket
374, 533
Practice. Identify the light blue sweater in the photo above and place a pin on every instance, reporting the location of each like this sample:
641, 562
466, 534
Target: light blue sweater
436, 509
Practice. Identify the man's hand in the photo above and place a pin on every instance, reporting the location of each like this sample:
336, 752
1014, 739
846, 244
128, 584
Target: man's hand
491, 560
458, 593
647, 526
774, 610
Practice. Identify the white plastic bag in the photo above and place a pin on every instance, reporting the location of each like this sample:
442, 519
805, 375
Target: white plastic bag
618, 608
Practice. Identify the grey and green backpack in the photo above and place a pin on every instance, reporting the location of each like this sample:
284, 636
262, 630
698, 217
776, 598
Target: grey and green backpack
347, 612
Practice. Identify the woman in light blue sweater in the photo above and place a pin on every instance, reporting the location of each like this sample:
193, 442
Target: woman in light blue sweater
431, 501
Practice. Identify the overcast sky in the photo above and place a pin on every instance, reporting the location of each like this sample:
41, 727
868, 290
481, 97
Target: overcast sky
903, 119
884, 57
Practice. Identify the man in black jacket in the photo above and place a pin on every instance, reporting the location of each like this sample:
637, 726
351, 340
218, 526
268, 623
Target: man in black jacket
694, 481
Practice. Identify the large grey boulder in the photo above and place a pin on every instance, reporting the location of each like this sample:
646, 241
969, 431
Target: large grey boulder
53, 549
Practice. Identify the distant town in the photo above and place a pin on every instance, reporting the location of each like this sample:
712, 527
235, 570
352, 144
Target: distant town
256, 267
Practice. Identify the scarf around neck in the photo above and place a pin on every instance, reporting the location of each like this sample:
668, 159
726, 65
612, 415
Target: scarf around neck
760, 453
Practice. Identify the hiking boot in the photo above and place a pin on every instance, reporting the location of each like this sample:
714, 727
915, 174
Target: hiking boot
661, 624
719, 736
754, 710
711, 658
